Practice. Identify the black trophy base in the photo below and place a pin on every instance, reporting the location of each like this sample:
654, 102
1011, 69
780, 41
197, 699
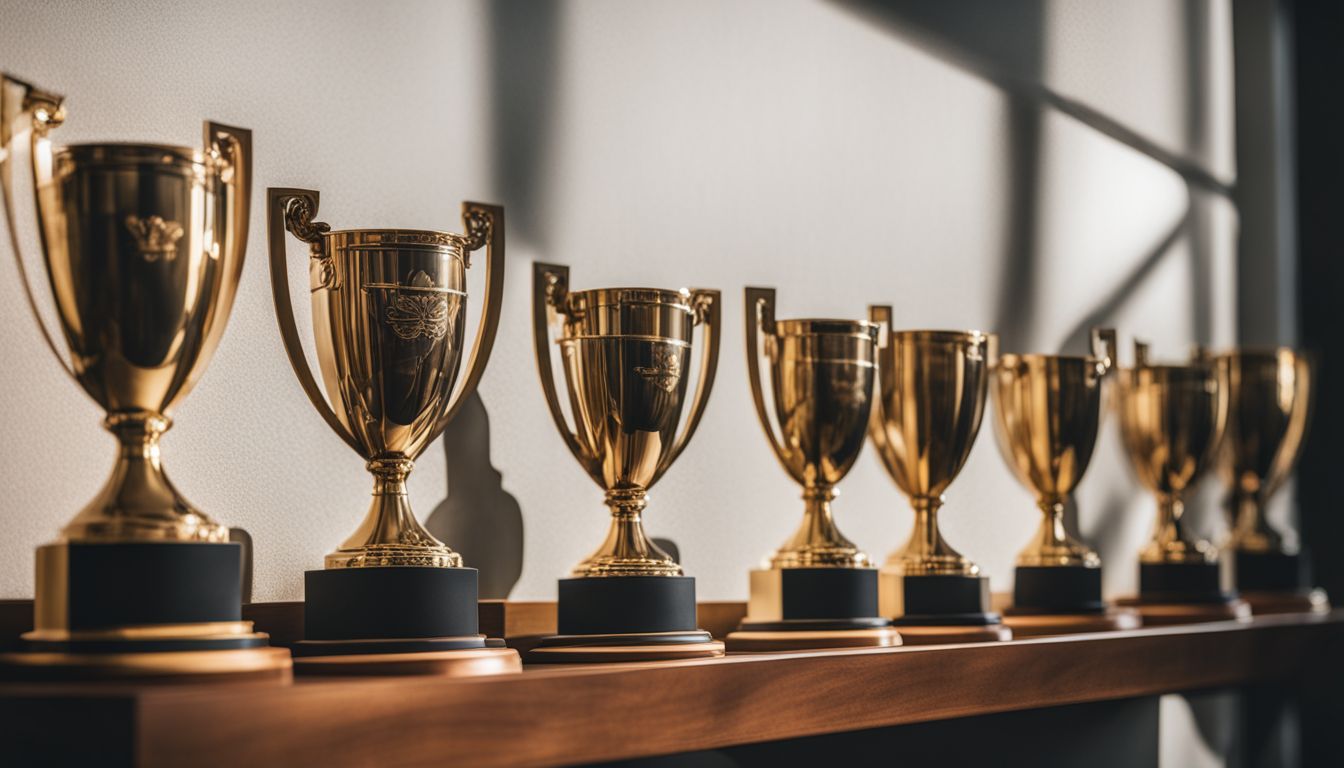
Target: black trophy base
166, 611
396, 620
1276, 582
1182, 583
794, 609
626, 618
1067, 589
930, 610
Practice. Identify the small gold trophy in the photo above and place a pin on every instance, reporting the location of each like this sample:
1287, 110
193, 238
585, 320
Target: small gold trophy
931, 397
143, 247
626, 352
1048, 410
389, 317
818, 590
1172, 418
1270, 399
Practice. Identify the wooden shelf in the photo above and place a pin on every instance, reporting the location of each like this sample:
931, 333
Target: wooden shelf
566, 715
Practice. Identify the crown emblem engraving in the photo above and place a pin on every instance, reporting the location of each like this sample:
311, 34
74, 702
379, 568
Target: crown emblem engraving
665, 372
155, 237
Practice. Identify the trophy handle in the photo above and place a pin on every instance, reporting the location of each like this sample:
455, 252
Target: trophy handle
760, 317
880, 314
1104, 348
550, 285
708, 306
292, 210
29, 109
484, 225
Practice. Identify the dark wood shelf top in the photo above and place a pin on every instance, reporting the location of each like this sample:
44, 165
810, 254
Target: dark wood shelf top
579, 714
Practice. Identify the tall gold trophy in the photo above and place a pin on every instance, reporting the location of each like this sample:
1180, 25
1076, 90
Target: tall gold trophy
389, 317
626, 354
818, 590
1172, 418
143, 246
1270, 400
931, 387
1048, 412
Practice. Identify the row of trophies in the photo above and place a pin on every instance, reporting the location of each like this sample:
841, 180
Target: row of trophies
143, 247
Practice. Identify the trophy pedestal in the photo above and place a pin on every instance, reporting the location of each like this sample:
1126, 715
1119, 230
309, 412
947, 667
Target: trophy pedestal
626, 618
395, 620
1275, 582
940, 609
1185, 593
162, 610
1060, 600
794, 609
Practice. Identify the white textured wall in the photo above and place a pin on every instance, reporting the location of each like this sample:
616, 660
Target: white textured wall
795, 144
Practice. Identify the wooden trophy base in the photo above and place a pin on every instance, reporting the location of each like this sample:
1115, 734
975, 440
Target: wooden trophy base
242, 664
470, 662
945, 634
758, 641
645, 646
1044, 624
1300, 601
1165, 614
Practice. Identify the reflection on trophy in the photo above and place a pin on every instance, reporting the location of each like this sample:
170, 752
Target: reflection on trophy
1172, 418
626, 353
1270, 397
818, 590
931, 398
1048, 411
389, 316
143, 247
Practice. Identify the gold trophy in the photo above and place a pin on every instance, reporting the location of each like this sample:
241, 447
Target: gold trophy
1048, 412
818, 590
931, 397
389, 317
626, 353
143, 247
1270, 398
1171, 419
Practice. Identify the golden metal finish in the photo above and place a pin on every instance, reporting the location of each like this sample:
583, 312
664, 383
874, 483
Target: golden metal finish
1172, 418
389, 316
626, 352
143, 247
931, 398
821, 375
1269, 406
1048, 411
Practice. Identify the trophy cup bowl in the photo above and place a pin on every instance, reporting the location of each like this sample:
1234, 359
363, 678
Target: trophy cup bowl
818, 589
389, 316
931, 387
143, 247
1270, 393
625, 353
1048, 412
1172, 418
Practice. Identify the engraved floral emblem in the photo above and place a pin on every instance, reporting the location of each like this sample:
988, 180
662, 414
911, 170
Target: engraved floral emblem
155, 237
848, 390
419, 309
665, 371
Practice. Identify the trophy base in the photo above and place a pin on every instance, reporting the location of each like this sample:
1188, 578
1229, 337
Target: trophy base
395, 620
1270, 572
1182, 583
929, 610
794, 609
1298, 601
1059, 589
765, 637
626, 618
162, 611
1028, 624
947, 634
1157, 613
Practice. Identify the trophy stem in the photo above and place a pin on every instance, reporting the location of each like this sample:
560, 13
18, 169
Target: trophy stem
1171, 542
926, 553
627, 551
390, 534
818, 543
1053, 545
138, 503
1251, 530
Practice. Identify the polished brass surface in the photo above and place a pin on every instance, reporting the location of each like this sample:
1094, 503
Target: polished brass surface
821, 381
389, 317
143, 249
1171, 419
626, 354
931, 397
1048, 411
1269, 407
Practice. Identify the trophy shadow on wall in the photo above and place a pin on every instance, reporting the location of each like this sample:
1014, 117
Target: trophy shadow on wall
483, 520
